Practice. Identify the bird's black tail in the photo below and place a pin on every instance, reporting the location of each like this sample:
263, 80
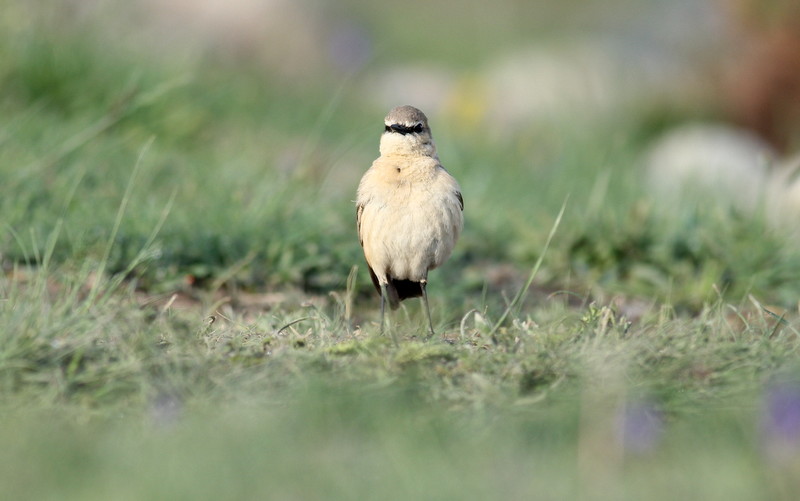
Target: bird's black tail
397, 290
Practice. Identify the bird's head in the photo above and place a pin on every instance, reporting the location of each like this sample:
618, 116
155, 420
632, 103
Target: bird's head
406, 132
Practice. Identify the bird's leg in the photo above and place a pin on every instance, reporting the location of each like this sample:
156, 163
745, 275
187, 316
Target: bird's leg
423, 284
383, 304
383, 311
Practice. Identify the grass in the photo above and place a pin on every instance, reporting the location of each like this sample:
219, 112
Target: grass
180, 314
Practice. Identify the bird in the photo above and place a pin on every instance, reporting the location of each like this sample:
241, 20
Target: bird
409, 211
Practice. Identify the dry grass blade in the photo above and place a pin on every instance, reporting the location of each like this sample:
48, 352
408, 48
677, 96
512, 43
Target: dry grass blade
515, 303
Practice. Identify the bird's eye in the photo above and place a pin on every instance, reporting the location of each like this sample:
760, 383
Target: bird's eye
418, 128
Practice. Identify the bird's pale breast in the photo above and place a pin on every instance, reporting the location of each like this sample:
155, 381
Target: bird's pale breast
410, 219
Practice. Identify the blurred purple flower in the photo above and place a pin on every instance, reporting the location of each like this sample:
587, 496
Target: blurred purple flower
780, 420
782, 411
349, 47
640, 425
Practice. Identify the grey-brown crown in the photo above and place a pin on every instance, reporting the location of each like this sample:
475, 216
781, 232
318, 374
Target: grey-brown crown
406, 119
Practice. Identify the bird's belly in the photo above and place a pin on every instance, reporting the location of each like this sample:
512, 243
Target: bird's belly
407, 242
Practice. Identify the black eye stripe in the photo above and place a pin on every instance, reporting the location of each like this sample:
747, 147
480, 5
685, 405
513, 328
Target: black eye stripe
404, 129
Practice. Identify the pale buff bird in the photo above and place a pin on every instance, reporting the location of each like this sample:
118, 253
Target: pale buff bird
409, 210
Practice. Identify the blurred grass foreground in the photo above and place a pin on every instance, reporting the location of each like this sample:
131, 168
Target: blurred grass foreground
185, 311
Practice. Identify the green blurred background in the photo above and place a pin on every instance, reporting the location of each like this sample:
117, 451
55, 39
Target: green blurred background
258, 119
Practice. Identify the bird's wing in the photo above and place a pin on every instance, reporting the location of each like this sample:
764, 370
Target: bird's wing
455, 185
359, 211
